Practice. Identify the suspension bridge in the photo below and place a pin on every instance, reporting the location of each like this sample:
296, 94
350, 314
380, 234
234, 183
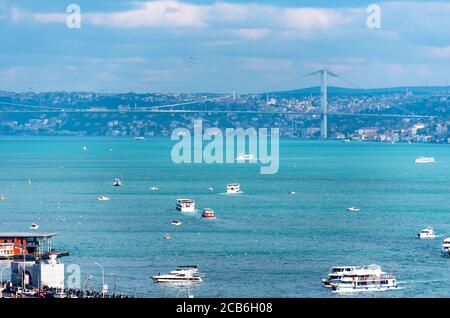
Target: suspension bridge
323, 112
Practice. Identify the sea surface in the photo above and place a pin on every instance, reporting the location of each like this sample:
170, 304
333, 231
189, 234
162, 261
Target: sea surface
264, 243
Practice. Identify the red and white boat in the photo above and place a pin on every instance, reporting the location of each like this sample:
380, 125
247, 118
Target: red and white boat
208, 214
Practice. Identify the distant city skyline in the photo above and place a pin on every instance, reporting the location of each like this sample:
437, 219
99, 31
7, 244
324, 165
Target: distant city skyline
209, 46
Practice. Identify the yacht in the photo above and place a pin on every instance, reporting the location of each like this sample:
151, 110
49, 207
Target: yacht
183, 274
117, 183
154, 189
366, 279
337, 273
33, 226
445, 249
103, 198
176, 222
233, 188
185, 205
208, 214
245, 157
424, 160
353, 209
427, 233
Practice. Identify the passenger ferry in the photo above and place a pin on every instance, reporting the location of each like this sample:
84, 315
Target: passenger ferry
103, 198
337, 273
233, 188
183, 274
208, 214
427, 233
366, 279
185, 205
117, 183
424, 160
445, 249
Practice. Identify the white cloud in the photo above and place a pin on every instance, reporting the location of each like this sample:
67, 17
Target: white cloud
440, 52
252, 34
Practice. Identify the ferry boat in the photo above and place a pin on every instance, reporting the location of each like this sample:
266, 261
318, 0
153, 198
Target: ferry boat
208, 214
445, 249
245, 157
34, 226
117, 183
233, 188
103, 198
424, 160
176, 222
427, 233
366, 279
337, 273
353, 209
183, 274
185, 205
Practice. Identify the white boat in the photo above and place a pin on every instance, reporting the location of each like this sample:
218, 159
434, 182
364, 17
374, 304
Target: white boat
337, 273
353, 209
103, 198
210, 189
117, 183
445, 249
427, 233
245, 157
84, 148
208, 214
183, 274
185, 205
154, 189
139, 138
233, 188
176, 222
166, 236
33, 226
424, 160
366, 279
291, 193
347, 141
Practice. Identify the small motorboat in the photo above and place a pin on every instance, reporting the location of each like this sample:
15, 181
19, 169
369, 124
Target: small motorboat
425, 159
208, 214
140, 138
117, 183
353, 209
34, 226
84, 148
166, 236
292, 193
210, 189
233, 188
103, 198
154, 188
445, 249
427, 233
176, 222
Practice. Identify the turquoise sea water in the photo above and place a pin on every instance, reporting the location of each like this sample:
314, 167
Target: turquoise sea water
264, 243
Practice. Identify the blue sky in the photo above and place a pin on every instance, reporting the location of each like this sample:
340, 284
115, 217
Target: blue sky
219, 46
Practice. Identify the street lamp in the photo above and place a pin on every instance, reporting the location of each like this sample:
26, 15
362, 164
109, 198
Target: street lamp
103, 277
86, 282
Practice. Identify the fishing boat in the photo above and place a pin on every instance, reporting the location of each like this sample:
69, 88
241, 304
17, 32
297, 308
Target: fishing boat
208, 214
233, 188
427, 233
183, 274
185, 205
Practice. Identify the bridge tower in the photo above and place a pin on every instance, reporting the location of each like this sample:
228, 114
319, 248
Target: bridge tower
324, 104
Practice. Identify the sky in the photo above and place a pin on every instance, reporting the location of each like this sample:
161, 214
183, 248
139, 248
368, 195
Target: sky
187, 46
